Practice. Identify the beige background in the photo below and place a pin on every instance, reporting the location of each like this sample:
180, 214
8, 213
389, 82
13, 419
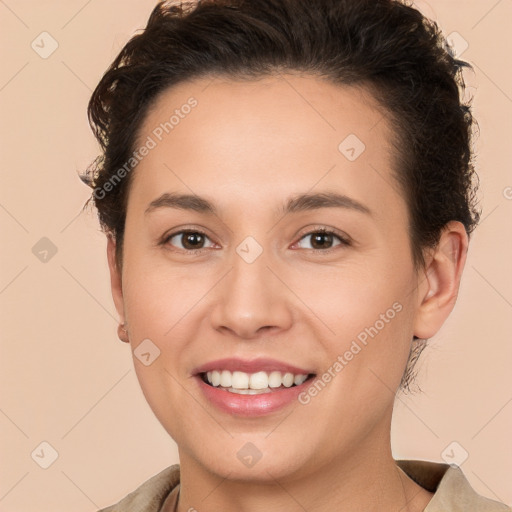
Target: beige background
65, 378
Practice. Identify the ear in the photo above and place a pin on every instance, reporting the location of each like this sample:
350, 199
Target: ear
115, 278
440, 283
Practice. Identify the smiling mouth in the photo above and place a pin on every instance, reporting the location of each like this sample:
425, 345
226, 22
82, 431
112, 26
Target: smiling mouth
253, 384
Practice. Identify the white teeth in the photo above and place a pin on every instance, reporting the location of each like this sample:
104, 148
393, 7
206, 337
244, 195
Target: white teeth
225, 379
215, 378
240, 380
244, 383
299, 379
258, 381
288, 380
274, 379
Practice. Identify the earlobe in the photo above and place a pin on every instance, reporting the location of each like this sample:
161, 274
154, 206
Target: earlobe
439, 290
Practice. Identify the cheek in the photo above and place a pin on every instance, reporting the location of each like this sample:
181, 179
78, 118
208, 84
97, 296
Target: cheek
370, 314
157, 296
158, 306
354, 298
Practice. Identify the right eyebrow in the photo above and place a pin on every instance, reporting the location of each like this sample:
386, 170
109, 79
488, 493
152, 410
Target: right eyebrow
182, 202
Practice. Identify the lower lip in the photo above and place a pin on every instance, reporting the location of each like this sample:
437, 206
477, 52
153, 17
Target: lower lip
251, 405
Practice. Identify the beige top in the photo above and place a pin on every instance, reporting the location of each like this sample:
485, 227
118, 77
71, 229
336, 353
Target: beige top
452, 490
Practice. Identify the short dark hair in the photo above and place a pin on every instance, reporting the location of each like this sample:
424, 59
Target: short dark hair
385, 45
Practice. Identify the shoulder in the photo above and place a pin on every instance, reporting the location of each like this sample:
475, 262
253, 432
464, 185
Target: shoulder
150, 495
452, 491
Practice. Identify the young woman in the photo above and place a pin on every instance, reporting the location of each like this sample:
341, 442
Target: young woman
287, 190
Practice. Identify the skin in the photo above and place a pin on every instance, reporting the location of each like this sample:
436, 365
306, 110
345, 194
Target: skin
247, 147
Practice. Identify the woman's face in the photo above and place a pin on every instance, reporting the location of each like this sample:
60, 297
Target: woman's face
259, 282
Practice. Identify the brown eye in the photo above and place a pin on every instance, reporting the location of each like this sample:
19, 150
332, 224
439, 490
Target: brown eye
323, 240
188, 240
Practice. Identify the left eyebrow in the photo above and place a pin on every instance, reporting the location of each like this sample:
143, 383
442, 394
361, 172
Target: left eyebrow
299, 203
304, 202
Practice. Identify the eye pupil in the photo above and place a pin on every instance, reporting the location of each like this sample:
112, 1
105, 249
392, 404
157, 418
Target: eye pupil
318, 237
194, 239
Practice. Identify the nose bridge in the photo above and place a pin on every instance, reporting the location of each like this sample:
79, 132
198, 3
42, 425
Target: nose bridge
251, 296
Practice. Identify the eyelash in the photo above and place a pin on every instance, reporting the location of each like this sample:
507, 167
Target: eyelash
344, 241
320, 230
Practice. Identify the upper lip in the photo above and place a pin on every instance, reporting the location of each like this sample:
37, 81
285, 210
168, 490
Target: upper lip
233, 364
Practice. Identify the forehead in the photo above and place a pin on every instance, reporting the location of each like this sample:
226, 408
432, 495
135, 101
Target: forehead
281, 135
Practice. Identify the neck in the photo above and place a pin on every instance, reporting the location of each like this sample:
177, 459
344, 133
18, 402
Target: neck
367, 478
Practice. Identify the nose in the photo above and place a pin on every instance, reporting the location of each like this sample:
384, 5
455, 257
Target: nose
251, 301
